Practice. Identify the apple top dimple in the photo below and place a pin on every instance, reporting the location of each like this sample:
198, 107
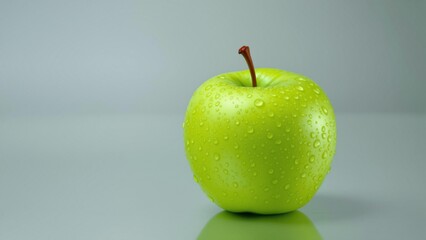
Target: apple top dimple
266, 77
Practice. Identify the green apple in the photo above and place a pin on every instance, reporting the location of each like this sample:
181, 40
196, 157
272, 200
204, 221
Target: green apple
225, 225
260, 141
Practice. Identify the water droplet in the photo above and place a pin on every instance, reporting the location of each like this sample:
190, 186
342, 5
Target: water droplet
236, 146
258, 102
255, 174
278, 141
324, 110
312, 134
317, 91
215, 142
287, 130
216, 156
286, 97
270, 135
323, 128
323, 135
253, 165
225, 171
324, 154
195, 179
226, 137
235, 185
328, 139
266, 189
303, 175
287, 186
300, 88
250, 129
317, 143
275, 181
271, 114
301, 79
312, 158
271, 171
249, 95
201, 123
279, 124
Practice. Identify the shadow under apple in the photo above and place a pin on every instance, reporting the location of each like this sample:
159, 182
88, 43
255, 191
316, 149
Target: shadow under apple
226, 225
332, 207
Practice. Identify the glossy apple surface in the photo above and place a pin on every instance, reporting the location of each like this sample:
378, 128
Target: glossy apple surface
263, 149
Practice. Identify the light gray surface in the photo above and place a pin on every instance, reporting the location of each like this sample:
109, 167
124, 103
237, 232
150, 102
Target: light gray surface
140, 56
126, 177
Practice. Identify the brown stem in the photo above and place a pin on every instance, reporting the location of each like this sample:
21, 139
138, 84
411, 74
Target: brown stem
245, 51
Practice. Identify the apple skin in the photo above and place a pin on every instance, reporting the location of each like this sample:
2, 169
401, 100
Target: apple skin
264, 149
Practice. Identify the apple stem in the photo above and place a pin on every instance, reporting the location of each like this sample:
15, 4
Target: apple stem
245, 51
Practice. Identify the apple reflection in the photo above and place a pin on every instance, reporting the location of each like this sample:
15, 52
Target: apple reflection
226, 225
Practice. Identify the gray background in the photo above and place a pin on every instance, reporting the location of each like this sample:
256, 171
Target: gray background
93, 94
59, 57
